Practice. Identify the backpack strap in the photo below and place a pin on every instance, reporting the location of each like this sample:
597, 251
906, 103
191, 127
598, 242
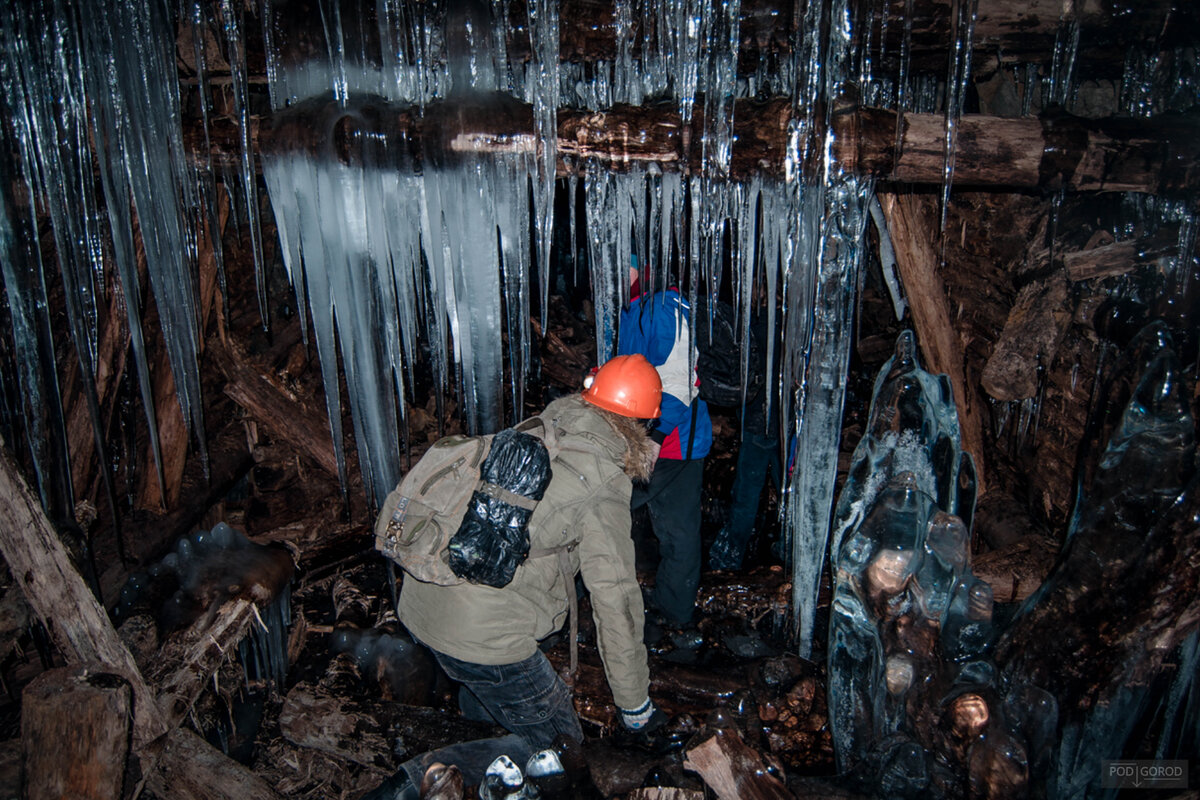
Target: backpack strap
550, 440
563, 552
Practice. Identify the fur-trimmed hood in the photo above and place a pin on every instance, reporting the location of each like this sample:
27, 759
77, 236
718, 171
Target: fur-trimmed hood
640, 450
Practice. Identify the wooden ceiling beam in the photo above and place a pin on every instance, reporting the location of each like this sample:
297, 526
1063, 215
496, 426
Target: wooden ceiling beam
1002, 153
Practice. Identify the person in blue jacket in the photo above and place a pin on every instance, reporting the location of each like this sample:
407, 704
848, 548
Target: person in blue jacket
656, 326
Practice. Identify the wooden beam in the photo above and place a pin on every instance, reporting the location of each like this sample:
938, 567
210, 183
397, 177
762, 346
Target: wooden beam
1024, 31
1156, 156
912, 223
191, 769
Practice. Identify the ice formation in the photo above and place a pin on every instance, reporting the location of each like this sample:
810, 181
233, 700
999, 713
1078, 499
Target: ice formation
1143, 466
424, 255
918, 707
910, 626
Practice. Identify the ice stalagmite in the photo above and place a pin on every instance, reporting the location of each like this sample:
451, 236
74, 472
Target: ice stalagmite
910, 626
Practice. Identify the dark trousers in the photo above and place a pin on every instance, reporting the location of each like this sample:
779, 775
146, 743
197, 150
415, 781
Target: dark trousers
673, 497
758, 458
526, 698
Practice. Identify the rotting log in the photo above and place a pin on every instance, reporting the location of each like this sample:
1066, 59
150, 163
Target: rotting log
273, 406
912, 224
75, 734
348, 727
187, 661
1118, 258
191, 769
1114, 155
1030, 339
82, 632
734, 770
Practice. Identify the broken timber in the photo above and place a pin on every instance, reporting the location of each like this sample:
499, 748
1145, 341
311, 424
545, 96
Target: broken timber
1063, 152
81, 631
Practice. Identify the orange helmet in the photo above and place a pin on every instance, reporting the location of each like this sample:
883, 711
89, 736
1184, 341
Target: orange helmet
626, 385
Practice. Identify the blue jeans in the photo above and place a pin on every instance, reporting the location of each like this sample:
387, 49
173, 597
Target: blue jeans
526, 698
758, 457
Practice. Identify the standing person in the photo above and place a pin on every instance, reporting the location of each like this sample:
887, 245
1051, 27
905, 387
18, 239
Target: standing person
758, 455
656, 326
486, 638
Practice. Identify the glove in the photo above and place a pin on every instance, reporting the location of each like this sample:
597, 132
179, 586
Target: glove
643, 719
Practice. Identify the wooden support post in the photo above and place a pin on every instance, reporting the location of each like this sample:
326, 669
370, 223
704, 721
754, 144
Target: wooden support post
75, 725
912, 223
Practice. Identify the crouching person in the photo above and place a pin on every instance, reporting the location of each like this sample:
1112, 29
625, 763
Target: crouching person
486, 638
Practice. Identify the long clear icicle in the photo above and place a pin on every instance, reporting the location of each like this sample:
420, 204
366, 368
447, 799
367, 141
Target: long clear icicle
231, 17
958, 79
543, 34
136, 41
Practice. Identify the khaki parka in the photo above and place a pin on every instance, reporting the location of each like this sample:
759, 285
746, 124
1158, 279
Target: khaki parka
586, 501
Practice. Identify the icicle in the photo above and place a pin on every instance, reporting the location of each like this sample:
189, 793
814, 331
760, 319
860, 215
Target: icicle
135, 43
248, 179
543, 33
1062, 68
606, 261
958, 79
838, 253
887, 260
33, 343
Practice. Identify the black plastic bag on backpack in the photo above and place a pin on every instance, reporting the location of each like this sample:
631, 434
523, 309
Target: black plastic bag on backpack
493, 539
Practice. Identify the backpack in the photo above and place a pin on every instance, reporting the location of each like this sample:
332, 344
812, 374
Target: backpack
718, 353
460, 513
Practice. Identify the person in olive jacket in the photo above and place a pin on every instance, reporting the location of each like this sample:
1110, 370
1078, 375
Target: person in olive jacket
486, 638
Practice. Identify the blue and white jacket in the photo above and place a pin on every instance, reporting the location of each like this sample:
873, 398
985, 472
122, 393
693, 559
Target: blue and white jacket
657, 327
